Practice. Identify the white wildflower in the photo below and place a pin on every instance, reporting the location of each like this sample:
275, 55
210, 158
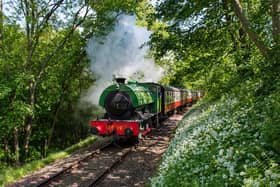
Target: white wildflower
275, 176
242, 173
271, 153
221, 152
213, 133
267, 173
272, 184
229, 152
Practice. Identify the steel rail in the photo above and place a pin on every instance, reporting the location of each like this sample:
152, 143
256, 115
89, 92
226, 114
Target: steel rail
102, 175
76, 163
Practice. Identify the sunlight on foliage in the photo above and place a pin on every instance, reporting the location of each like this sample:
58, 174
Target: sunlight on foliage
219, 145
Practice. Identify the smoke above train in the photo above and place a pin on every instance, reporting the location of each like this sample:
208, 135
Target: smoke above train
123, 52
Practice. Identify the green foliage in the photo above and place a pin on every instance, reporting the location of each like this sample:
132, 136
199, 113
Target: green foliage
116, 6
204, 47
269, 109
220, 144
108, 11
230, 53
44, 69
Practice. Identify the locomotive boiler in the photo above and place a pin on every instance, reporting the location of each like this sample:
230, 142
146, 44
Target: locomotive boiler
122, 101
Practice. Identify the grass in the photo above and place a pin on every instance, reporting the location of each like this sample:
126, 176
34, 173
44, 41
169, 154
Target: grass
11, 174
220, 144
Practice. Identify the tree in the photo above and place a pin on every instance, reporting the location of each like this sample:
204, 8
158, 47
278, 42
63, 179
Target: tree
1, 19
269, 51
40, 18
227, 47
36, 23
226, 32
43, 69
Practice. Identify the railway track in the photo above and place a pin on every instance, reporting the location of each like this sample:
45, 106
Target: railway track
102, 162
110, 168
75, 164
91, 170
141, 147
94, 168
56, 169
138, 166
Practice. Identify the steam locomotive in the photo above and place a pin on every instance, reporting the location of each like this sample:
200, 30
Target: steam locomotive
133, 108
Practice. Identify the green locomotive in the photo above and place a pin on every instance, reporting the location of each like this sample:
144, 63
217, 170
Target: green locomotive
132, 108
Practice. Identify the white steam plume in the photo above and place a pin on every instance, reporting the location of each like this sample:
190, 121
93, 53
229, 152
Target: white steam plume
122, 54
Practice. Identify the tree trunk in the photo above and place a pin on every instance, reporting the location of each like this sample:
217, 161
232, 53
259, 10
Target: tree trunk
275, 15
16, 146
6, 150
54, 120
45, 148
29, 119
1, 20
247, 27
27, 136
276, 21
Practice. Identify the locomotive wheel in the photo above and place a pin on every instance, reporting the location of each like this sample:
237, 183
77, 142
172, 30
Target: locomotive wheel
156, 121
148, 124
157, 124
140, 137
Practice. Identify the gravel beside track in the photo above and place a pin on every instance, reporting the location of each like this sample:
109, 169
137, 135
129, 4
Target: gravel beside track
41, 176
90, 170
111, 166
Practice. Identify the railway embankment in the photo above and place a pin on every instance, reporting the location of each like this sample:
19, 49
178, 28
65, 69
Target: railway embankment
8, 175
222, 144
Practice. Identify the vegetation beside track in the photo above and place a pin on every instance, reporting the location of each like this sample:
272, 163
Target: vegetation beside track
10, 174
226, 143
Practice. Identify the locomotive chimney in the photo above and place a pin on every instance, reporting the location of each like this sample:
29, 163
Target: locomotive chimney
120, 80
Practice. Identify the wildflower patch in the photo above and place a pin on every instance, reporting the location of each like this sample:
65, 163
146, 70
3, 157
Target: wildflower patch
219, 145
